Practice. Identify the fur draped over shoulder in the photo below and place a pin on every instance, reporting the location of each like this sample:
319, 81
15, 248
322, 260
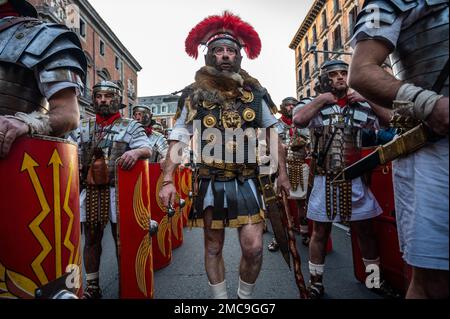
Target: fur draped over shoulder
219, 88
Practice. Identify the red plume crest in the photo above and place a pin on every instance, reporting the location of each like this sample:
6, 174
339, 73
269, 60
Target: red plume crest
229, 23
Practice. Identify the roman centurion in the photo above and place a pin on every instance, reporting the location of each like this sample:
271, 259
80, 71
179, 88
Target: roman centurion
227, 193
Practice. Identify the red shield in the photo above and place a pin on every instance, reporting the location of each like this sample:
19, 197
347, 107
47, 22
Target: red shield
381, 185
162, 247
39, 216
177, 219
135, 245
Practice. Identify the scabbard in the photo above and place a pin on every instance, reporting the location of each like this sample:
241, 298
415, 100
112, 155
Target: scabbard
274, 214
405, 144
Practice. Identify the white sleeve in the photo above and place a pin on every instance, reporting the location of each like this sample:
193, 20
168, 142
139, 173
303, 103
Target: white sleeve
181, 131
267, 118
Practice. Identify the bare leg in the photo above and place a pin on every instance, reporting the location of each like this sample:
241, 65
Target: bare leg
250, 237
318, 243
91, 254
92, 248
428, 284
214, 239
317, 253
304, 230
366, 238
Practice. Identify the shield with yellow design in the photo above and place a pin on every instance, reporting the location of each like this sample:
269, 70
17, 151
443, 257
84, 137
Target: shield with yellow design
135, 244
162, 248
177, 219
39, 217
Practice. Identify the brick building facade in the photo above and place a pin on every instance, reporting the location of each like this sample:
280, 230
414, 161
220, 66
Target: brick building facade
328, 26
107, 57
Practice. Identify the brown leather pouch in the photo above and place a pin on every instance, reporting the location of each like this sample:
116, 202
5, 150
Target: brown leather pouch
98, 172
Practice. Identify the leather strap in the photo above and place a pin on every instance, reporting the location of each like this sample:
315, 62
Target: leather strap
440, 81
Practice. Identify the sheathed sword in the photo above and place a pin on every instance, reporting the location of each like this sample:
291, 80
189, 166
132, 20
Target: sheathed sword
274, 213
403, 145
407, 143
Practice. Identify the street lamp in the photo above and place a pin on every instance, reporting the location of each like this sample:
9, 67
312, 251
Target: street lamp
313, 49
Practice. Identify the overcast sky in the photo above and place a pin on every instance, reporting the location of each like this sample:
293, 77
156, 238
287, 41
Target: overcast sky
154, 32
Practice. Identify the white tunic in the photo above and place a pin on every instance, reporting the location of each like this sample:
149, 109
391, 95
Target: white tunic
420, 180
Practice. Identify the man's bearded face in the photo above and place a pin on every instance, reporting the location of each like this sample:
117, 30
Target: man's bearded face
225, 57
103, 103
339, 80
289, 108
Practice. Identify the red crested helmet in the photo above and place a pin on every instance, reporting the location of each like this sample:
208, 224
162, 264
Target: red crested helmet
227, 29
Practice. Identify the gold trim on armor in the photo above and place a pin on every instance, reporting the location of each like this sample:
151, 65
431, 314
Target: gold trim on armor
209, 121
245, 172
209, 105
231, 119
232, 223
97, 205
247, 96
192, 111
249, 115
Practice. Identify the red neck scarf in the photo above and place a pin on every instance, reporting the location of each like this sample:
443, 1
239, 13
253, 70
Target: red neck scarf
288, 121
149, 130
343, 101
7, 10
107, 120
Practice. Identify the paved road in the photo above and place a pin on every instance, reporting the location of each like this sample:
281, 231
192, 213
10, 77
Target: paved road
185, 278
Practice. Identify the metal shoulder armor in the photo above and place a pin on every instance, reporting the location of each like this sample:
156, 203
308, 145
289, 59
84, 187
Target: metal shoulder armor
283, 131
268, 99
301, 104
43, 47
387, 11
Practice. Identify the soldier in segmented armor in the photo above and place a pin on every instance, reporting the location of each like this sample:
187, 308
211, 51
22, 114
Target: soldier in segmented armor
158, 127
42, 67
102, 141
414, 34
336, 119
225, 99
143, 114
296, 143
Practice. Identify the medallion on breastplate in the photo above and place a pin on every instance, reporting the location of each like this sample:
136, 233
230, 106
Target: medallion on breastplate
247, 97
249, 115
209, 121
231, 119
